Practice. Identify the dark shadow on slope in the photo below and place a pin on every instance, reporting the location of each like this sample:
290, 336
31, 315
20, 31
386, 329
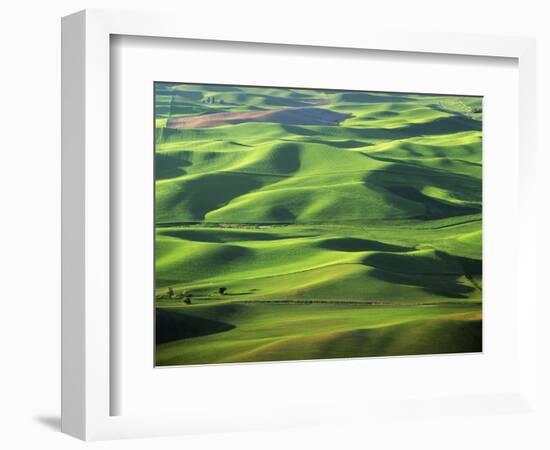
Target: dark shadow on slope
418, 337
282, 214
285, 158
410, 150
349, 143
307, 116
209, 192
220, 235
168, 165
301, 131
386, 113
365, 97
414, 158
442, 125
435, 209
172, 326
403, 184
434, 263
443, 285
360, 245
239, 144
215, 190
437, 275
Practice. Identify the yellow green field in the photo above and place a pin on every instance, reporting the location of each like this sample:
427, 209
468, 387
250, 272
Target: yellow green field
304, 224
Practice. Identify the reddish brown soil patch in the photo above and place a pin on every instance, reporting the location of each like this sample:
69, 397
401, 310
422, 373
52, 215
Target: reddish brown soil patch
287, 116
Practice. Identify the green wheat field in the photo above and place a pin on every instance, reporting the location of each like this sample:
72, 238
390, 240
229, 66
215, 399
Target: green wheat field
298, 224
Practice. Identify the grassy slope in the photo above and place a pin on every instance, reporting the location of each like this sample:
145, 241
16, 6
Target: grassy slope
385, 208
260, 332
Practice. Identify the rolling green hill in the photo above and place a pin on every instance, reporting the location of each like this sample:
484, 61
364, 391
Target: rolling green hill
340, 224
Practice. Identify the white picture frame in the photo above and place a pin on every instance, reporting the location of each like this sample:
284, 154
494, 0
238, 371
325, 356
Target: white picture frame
86, 219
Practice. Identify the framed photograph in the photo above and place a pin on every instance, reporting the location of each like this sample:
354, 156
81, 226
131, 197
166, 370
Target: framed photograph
268, 229
297, 224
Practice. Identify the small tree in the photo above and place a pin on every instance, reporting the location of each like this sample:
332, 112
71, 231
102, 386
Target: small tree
222, 290
170, 292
